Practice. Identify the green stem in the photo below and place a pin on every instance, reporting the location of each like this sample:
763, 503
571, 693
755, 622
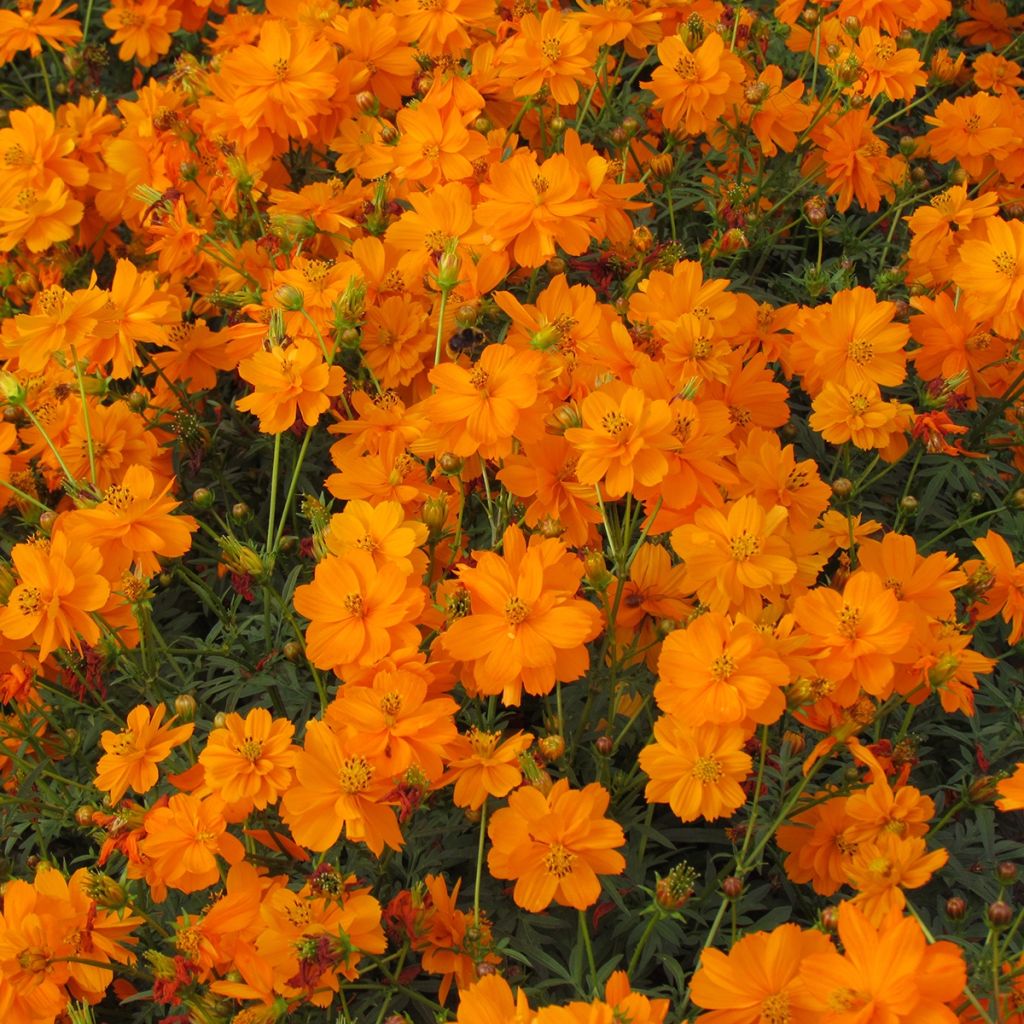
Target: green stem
634, 960
479, 863
46, 82
85, 416
274, 469
291, 488
588, 946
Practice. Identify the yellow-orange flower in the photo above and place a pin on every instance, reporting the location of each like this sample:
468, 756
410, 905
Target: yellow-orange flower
132, 755
555, 846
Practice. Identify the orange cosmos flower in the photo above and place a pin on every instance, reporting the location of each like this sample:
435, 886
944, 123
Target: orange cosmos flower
551, 50
693, 88
335, 791
623, 439
249, 759
134, 524
60, 321
926, 583
555, 846
185, 838
721, 672
484, 766
859, 414
132, 755
882, 869
358, 612
855, 340
1005, 590
289, 380
395, 339
142, 28
885, 67
887, 972
479, 410
37, 217
991, 273
817, 845
758, 981
440, 28
395, 724
526, 627
854, 161
435, 145
696, 770
733, 557
534, 205
491, 999
283, 81
60, 585
971, 130
777, 117
879, 810
27, 29
855, 633
382, 530
989, 23
1011, 791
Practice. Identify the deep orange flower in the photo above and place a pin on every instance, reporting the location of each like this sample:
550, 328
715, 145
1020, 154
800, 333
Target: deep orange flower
479, 409
721, 672
27, 29
358, 612
886, 973
970, 130
856, 633
696, 770
37, 217
435, 144
879, 810
817, 845
693, 88
555, 846
491, 999
184, 840
134, 523
1011, 791
380, 529
1004, 591
337, 790
989, 23
143, 29
289, 381
887, 68
733, 557
551, 50
248, 760
758, 981
485, 765
623, 439
991, 272
859, 414
132, 755
882, 869
532, 205
442, 27
60, 585
526, 628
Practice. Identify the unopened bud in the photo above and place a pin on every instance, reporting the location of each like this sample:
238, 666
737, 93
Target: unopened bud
185, 707
289, 297
956, 908
1000, 914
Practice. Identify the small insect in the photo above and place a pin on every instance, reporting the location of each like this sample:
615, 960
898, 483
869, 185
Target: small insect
467, 341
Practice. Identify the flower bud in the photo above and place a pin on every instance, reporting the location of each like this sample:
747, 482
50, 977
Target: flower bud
1006, 872
956, 908
366, 102
185, 707
83, 815
1000, 914
292, 651
908, 505
202, 498
830, 919
816, 211
842, 488
557, 124
288, 296
662, 165
551, 747
435, 514
550, 528
448, 266
732, 887
563, 418
450, 464
604, 745
983, 790
220, 720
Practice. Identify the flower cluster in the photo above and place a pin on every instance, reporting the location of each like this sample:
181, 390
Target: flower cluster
486, 486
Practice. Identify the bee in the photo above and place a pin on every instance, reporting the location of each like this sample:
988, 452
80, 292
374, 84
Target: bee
467, 341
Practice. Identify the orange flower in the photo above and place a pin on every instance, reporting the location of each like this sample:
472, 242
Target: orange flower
970, 130
555, 846
380, 529
991, 272
491, 1000
132, 755
693, 88
859, 414
758, 981
25, 29
395, 339
358, 612
1005, 584
534, 205
435, 145
733, 557
696, 770
60, 321
551, 50
878, 811
479, 410
39, 218
337, 790
623, 439
778, 116
721, 672
887, 68
526, 628
989, 23
60, 585
856, 633
133, 523
926, 583
886, 973
142, 28
283, 81
440, 28
185, 838
289, 380
882, 869
484, 766
817, 845
249, 760
1011, 791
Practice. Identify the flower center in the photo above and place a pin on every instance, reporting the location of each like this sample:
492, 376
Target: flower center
775, 1009
353, 604
1005, 264
614, 423
516, 610
280, 69
860, 351
849, 620
551, 48
390, 705
118, 495
744, 546
859, 404
559, 861
706, 770
478, 378
250, 749
686, 67
723, 667
354, 774
29, 600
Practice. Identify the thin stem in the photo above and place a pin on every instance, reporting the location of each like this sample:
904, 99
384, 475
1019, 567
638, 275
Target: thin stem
479, 863
291, 487
85, 416
634, 960
585, 933
274, 469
